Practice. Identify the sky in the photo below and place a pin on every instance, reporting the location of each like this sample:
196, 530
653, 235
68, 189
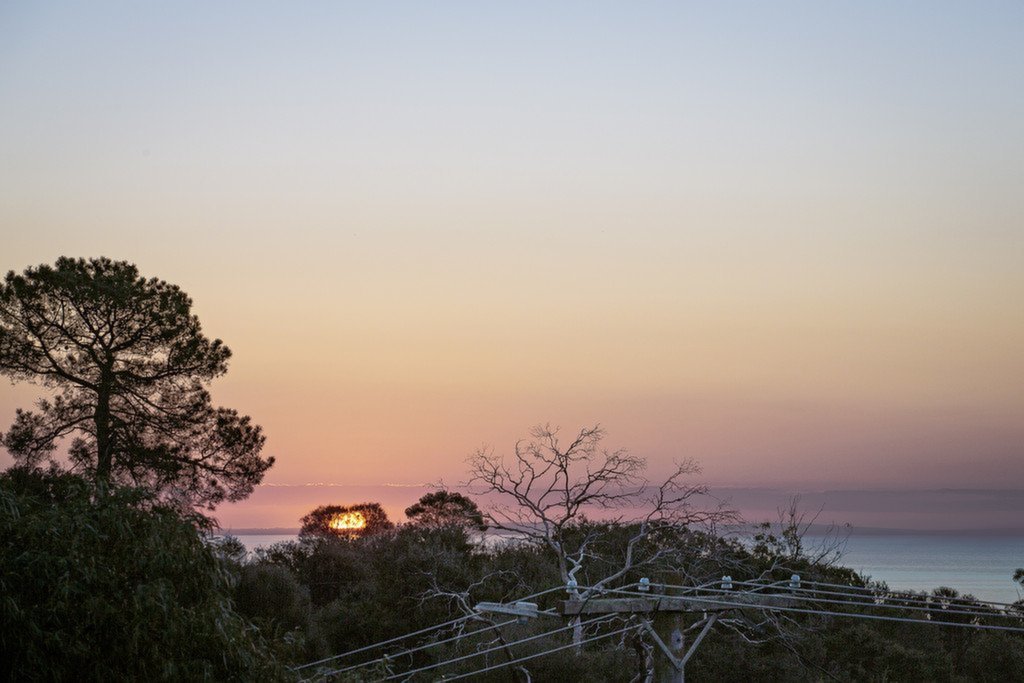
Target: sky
784, 240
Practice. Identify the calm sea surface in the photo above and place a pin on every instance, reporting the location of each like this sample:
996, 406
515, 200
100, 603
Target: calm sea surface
981, 565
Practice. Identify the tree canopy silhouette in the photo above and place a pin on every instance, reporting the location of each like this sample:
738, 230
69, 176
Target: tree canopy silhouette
346, 521
446, 508
128, 366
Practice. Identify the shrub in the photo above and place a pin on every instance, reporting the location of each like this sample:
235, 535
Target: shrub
114, 586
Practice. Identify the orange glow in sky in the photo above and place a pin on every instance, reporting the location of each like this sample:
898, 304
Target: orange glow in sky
787, 245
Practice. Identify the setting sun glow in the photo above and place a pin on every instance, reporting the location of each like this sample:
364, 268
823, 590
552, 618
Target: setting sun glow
348, 521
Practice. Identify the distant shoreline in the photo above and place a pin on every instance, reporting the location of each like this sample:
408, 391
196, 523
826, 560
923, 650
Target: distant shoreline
813, 530
948, 512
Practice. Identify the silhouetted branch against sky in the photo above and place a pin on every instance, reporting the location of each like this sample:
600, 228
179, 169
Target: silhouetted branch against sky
127, 366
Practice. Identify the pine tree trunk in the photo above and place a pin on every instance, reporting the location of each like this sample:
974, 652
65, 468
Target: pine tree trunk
104, 450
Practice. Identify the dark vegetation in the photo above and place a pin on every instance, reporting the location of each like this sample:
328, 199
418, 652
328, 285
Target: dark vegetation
108, 573
446, 508
346, 594
118, 587
124, 587
363, 519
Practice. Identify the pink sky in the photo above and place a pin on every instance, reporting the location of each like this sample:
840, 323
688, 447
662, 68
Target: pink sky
993, 510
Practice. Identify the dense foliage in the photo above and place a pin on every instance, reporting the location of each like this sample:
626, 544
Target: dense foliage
128, 366
120, 586
444, 508
114, 587
323, 596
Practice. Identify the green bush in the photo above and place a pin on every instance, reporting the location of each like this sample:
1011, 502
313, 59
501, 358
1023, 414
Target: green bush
114, 586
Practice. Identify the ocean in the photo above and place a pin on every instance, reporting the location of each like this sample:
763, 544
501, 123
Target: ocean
981, 565
978, 564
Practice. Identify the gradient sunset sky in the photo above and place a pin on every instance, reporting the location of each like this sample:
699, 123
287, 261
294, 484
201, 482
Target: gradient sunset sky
783, 239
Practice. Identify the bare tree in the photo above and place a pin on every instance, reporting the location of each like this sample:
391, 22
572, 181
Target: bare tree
461, 600
546, 487
785, 542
